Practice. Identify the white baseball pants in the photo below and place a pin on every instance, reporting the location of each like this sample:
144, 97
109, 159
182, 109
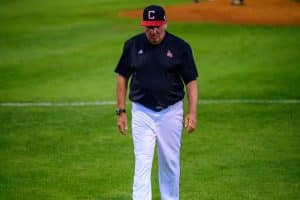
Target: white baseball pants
163, 128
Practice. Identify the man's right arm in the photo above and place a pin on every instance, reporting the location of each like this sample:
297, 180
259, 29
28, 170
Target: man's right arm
121, 90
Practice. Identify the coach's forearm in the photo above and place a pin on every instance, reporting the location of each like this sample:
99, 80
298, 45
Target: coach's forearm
121, 91
192, 92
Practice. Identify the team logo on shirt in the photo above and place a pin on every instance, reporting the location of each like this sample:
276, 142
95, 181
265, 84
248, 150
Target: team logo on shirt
140, 52
169, 54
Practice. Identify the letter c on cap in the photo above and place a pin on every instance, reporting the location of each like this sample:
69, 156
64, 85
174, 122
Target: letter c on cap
151, 14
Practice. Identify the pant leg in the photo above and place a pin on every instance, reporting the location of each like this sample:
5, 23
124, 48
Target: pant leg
144, 144
169, 132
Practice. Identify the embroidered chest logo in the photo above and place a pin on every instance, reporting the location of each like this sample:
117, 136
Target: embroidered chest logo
140, 52
169, 54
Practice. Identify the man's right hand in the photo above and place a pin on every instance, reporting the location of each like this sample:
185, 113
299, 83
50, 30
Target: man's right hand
122, 123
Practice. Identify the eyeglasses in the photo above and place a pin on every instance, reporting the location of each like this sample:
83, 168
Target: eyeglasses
151, 27
156, 29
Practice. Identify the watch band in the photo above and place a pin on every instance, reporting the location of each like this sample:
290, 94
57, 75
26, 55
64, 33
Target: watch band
119, 111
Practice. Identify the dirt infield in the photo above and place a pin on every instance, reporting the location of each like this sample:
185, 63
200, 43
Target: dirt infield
271, 12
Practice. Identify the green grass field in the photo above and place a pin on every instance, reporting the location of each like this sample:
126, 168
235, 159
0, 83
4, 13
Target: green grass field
66, 51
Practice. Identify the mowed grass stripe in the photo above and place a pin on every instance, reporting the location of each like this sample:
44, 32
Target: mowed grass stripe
241, 151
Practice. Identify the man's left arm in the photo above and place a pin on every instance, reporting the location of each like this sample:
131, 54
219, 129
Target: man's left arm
191, 117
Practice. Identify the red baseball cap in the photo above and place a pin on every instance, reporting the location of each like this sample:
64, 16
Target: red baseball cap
154, 16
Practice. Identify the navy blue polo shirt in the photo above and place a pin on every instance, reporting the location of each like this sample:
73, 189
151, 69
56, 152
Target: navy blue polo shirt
158, 72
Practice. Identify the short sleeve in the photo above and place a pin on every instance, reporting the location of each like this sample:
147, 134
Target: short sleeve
189, 70
123, 68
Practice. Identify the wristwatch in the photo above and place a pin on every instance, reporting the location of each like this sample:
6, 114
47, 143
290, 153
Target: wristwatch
119, 111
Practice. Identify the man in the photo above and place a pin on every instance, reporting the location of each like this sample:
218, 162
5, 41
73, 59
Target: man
159, 64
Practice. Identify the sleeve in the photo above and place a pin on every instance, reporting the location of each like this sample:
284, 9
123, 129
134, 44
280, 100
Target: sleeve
123, 68
188, 70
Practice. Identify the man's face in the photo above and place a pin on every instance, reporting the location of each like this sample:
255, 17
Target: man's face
155, 34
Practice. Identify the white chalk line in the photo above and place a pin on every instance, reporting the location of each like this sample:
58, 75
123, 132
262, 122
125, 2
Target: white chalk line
104, 103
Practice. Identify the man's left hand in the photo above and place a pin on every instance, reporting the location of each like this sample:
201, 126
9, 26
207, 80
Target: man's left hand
190, 122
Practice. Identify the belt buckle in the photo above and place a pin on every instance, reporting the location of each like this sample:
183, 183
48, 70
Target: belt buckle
159, 108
